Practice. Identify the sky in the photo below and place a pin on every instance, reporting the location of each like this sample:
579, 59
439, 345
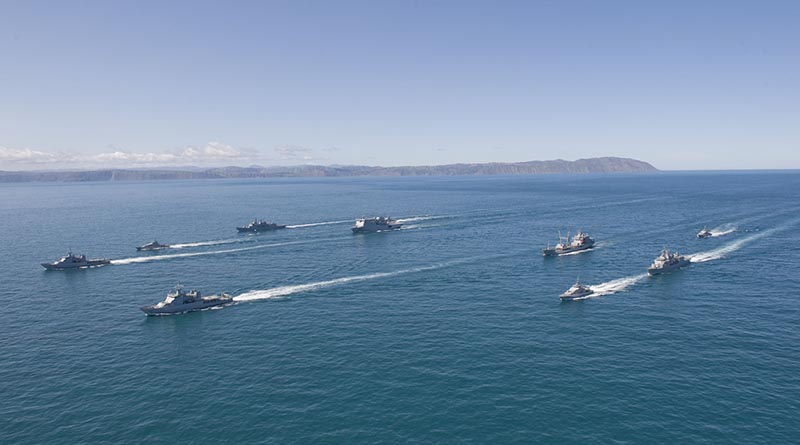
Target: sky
683, 85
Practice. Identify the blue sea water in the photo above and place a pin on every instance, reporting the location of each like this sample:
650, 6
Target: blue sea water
447, 331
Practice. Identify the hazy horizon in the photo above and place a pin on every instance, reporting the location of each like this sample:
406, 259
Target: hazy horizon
202, 168
682, 86
310, 164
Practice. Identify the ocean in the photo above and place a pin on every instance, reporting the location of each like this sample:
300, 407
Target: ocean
449, 330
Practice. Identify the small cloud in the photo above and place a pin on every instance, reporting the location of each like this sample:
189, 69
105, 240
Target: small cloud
28, 156
216, 150
122, 157
213, 151
209, 153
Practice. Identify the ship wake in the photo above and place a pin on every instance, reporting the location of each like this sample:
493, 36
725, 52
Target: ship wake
721, 252
614, 286
207, 243
324, 223
424, 218
147, 259
723, 230
282, 291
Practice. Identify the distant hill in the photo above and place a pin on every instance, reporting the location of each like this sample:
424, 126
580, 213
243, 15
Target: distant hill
591, 165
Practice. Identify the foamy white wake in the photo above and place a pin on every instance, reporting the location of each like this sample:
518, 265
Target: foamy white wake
281, 291
715, 254
208, 243
423, 218
147, 259
324, 223
723, 230
614, 286
288, 290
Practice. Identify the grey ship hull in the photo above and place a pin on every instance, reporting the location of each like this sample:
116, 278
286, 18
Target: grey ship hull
260, 229
667, 268
148, 249
566, 250
569, 297
189, 307
376, 228
92, 263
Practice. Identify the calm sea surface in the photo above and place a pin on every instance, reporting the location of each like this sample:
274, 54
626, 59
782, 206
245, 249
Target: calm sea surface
447, 331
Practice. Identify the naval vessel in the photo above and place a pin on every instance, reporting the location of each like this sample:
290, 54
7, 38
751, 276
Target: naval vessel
260, 226
179, 301
581, 241
576, 291
153, 245
70, 261
378, 224
667, 262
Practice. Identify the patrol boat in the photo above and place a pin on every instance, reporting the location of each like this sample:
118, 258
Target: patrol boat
581, 241
153, 245
667, 262
378, 224
70, 261
576, 291
180, 301
705, 233
260, 226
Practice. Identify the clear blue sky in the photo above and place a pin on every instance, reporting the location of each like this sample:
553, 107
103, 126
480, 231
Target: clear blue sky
683, 85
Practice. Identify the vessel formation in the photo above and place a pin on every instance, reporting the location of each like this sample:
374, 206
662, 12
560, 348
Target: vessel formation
180, 301
378, 224
666, 261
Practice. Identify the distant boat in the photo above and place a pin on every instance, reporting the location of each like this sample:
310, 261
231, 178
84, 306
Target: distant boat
70, 261
153, 245
667, 262
705, 233
180, 301
576, 291
378, 224
260, 226
581, 241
